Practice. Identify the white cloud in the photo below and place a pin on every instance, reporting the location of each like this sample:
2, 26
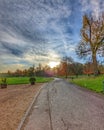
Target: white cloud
96, 6
11, 38
5, 67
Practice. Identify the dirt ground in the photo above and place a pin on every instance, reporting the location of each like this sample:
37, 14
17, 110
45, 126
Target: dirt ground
14, 101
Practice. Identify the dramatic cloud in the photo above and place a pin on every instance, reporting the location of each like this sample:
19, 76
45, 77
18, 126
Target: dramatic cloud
37, 31
93, 6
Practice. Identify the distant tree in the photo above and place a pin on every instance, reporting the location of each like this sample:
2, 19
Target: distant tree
40, 70
76, 68
31, 71
25, 72
101, 68
18, 72
64, 65
92, 39
88, 68
9, 73
67, 59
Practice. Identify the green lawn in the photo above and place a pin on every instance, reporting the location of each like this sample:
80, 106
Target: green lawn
25, 80
91, 82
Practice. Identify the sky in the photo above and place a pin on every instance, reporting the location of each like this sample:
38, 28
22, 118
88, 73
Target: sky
40, 31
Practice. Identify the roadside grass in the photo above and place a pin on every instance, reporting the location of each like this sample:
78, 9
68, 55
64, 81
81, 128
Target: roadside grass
90, 82
25, 80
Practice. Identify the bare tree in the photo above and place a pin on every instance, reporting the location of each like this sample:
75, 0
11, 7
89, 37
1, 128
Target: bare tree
92, 39
66, 61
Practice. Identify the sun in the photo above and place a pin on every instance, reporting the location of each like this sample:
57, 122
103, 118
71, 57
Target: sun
53, 64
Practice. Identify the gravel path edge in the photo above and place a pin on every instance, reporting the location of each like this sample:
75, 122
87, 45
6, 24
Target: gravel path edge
29, 109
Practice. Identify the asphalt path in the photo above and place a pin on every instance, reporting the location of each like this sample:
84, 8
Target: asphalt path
64, 106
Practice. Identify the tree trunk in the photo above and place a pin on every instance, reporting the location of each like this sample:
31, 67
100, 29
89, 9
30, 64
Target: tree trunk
66, 70
95, 66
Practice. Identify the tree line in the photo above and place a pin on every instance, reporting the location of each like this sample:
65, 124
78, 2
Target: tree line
67, 67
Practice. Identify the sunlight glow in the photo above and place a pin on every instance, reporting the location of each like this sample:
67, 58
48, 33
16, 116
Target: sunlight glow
53, 64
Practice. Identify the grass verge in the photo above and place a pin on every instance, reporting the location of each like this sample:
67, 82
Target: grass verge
91, 82
25, 80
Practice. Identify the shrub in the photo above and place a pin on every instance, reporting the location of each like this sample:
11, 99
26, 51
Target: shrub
3, 83
32, 80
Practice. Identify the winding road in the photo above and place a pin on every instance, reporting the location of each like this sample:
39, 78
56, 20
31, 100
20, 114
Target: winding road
64, 106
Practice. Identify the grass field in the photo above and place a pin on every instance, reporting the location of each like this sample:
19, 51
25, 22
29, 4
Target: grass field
25, 80
90, 82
